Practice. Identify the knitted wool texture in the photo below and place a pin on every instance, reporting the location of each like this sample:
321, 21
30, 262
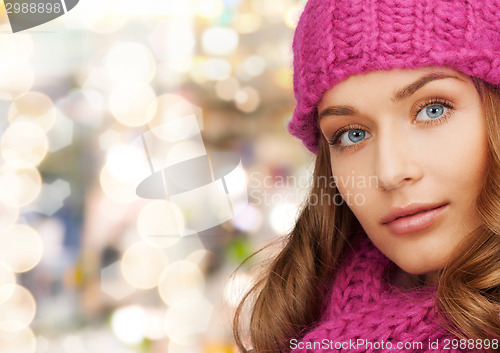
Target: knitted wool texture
363, 306
335, 39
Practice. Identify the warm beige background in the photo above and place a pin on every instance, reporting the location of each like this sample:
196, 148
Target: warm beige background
74, 93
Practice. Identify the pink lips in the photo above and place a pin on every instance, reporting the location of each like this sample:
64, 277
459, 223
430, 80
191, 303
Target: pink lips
413, 218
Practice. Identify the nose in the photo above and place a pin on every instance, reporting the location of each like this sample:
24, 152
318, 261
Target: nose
396, 162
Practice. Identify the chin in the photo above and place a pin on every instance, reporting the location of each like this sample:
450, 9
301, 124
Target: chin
418, 268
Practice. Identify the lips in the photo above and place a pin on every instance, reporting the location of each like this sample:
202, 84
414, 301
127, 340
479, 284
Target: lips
413, 217
409, 210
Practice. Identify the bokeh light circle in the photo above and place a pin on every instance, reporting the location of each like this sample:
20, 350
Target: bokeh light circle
19, 187
247, 22
7, 282
188, 319
200, 257
106, 20
249, 220
177, 130
129, 324
130, 61
126, 163
282, 217
24, 144
171, 107
216, 69
15, 49
143, 264
292, 15
21, 248
17, 312
155, 328
247, 99
34, 107
133, 103
16, 79
180, 280
253, 66
117, 189
161, 223
236, 287
9, 213
219, 40
22, 341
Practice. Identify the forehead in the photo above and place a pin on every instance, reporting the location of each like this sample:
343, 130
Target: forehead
383, 81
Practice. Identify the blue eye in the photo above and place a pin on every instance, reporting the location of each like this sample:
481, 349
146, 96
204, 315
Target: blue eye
353, 136
432, 112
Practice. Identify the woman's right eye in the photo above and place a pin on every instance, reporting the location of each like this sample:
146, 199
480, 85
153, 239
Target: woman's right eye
353, 136
348, 137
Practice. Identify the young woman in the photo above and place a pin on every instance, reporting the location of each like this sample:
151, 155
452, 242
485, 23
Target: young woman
399, 100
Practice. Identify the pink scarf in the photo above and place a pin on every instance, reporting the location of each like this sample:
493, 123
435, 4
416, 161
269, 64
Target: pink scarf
364, 313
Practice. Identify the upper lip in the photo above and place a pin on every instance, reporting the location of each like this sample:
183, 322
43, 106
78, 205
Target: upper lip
409, 210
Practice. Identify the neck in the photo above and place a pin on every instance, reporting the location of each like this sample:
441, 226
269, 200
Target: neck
432, 278
406, 280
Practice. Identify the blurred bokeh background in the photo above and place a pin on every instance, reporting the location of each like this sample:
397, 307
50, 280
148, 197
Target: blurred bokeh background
77, 272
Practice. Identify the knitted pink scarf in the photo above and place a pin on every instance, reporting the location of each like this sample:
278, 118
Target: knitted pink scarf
366, 314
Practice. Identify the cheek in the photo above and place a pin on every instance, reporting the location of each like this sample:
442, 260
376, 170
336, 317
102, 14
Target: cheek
460, 156
476, 158
356, 185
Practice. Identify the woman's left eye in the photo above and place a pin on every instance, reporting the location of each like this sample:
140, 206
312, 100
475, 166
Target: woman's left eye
432, 112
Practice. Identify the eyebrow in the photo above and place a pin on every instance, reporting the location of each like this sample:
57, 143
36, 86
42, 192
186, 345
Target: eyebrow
398, 95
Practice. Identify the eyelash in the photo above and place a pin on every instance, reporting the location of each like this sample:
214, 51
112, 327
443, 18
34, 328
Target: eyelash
333, 141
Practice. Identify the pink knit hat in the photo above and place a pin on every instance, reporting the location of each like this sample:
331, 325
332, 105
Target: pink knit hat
335, 39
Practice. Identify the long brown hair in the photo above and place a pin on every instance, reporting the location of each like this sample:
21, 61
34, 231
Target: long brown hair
469, 287
287, 300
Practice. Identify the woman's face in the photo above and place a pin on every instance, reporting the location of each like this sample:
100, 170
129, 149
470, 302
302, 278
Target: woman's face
409, 153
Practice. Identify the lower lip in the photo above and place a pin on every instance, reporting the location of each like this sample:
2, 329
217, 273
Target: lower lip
416, 222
